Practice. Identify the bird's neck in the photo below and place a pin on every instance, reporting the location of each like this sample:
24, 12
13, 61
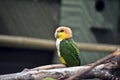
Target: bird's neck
59, 40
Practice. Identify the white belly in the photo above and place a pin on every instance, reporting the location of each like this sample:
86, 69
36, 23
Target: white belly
58, 46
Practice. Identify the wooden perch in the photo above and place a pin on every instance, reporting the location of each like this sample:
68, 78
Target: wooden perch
60, 73
25, 42
110, 56
100, 69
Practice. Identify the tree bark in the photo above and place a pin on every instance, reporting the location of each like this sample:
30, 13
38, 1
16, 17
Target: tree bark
102, 71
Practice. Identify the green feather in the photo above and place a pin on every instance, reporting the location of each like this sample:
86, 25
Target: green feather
70, 52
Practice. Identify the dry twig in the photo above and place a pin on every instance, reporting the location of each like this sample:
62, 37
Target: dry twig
81, 73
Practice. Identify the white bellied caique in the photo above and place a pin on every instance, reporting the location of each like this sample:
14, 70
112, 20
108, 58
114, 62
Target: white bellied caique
66, 47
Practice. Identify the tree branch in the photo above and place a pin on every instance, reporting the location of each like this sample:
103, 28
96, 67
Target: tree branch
102, 71
81, 73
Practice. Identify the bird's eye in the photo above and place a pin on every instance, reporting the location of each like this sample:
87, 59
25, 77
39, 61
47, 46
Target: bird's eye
61, 30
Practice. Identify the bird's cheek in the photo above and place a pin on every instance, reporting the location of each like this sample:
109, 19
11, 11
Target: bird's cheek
62, 35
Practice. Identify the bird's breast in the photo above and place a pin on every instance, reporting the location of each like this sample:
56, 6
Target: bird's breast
58, 46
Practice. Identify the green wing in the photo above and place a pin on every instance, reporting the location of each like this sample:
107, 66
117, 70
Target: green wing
70, 52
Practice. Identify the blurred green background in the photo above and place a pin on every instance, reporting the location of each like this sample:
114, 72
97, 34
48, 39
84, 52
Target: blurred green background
92, 21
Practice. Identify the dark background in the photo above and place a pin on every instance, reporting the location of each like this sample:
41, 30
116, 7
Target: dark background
28, 18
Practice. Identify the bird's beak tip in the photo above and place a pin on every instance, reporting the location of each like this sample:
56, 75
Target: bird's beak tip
56, 35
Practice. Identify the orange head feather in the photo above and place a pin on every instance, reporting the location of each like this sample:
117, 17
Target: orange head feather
63, 32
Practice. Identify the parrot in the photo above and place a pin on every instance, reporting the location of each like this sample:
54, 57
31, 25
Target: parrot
67, 49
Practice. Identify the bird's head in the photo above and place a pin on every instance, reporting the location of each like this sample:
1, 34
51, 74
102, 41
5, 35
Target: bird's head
63, 32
